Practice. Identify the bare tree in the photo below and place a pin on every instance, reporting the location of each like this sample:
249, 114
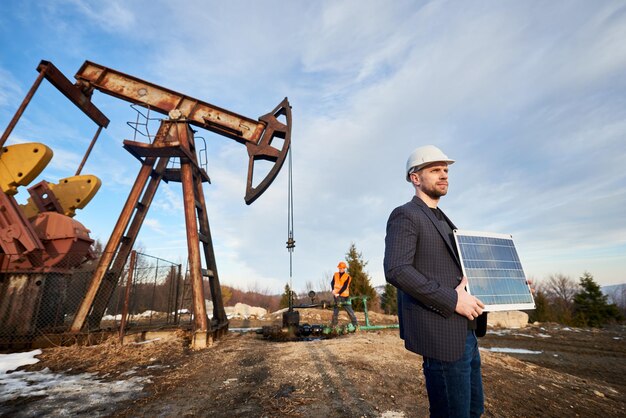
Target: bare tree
558, 291
561, 287
324, 282
323, 291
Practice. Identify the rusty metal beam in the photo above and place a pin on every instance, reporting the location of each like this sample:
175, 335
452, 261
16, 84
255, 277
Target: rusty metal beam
219, 314
193, 248
107, 287
20, 110
160, 99
112, 245
51, 73
69, 90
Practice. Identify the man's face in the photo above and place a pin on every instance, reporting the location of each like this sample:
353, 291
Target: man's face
432, 180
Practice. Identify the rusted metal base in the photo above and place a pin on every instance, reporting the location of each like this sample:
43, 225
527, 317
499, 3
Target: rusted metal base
31, 302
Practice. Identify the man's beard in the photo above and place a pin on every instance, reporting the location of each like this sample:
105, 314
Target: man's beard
435, 193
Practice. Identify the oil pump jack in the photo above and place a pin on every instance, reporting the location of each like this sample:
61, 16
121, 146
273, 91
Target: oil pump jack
173, 140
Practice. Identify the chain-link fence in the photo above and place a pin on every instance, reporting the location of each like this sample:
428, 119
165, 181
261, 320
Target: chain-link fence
149, 293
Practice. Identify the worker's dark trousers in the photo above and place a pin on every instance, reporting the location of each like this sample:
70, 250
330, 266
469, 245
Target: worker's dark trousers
339, 300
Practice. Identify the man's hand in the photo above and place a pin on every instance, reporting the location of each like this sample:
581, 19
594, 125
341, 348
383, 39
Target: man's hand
466, 304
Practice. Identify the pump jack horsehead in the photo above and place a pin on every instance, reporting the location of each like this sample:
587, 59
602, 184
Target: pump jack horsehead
174, 139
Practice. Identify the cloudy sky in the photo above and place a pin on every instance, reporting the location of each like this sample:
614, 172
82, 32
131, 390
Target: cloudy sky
529, 98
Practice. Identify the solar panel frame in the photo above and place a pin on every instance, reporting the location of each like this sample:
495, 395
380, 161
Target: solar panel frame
494, 271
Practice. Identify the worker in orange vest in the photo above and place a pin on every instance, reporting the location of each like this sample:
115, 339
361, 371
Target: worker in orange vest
341, 291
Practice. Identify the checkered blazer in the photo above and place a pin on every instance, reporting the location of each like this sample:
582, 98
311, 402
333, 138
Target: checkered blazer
422, 264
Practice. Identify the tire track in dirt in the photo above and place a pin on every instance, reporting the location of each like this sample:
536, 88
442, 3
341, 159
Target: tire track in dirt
345, 398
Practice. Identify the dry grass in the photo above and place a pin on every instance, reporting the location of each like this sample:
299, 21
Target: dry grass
110, 358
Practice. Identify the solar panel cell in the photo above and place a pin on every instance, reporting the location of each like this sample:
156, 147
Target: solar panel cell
494, 271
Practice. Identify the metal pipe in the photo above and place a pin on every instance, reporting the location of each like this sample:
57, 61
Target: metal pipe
377, 327
93, 141
131, 269
176, 306
367, 318
20, 110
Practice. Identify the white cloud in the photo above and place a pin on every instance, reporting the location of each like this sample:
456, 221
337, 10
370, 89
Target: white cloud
10, 91
154, 225
111, 16
529, 100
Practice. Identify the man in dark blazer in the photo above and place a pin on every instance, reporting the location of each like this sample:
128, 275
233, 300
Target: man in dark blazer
438, 318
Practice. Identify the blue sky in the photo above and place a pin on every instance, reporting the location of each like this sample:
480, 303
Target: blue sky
528, 97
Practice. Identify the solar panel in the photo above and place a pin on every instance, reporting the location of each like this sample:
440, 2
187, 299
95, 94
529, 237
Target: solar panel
493, 270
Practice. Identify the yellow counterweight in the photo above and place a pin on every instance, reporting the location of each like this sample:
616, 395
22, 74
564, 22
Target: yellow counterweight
71, 193
21, 163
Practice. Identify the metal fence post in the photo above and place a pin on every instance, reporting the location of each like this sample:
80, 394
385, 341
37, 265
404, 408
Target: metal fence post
131, 269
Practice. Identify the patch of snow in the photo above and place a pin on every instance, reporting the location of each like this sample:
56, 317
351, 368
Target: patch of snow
12, 361
544, 335
182, 311
572, 329
129, 372
280, 311
117, 317
65, 395
524, 335
242, 330
227, 382
499, 332
243, 311
392, 414
147, 341
512, 350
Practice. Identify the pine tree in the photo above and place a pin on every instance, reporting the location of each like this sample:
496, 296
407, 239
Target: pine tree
360, 285
591, 306
284, 299
389, 300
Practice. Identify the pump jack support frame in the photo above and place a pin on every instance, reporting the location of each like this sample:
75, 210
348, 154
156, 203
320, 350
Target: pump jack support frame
173, 140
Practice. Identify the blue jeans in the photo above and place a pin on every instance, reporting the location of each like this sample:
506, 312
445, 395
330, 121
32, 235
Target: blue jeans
455, 388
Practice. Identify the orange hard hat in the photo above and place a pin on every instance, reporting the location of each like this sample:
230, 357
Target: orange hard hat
341, 265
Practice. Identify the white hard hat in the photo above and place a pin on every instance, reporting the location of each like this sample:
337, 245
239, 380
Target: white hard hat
423, 156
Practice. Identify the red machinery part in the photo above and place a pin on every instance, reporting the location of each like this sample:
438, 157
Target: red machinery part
66, 241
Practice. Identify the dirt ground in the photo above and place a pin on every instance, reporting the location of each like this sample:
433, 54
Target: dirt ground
573, 372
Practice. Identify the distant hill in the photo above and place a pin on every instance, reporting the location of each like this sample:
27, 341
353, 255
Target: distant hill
616, 293
380, 289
